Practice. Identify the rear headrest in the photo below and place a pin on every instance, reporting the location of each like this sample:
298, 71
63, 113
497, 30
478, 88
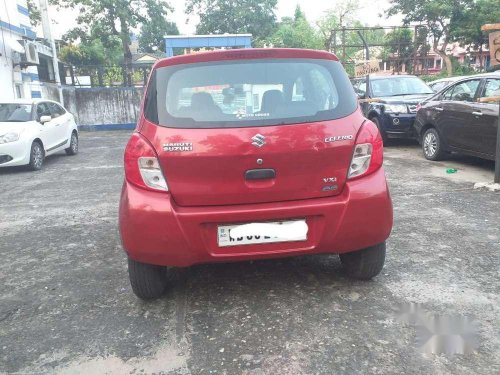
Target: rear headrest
202, 100
271, 100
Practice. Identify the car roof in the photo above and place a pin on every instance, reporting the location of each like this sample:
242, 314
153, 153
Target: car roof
374, 77
449, 79
246, 54
27, 101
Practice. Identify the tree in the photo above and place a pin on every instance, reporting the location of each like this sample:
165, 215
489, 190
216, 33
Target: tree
295, 33
115, 18
35, 16
440, 17
342, 16
399, 42
256, 17
155, 29
95, 46
469, 33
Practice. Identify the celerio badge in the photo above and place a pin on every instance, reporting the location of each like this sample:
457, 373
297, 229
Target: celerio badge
339, 138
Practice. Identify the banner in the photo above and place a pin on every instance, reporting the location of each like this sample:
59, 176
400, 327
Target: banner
495, 48
362, 68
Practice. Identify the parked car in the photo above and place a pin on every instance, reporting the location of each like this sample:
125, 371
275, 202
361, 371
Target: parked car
395, 106
454, 120
31, 130
440, 84
250, 154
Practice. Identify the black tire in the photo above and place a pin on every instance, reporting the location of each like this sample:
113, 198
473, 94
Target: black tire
148, 281
37, 156
364, 264
383, 134
432, 145
73, 145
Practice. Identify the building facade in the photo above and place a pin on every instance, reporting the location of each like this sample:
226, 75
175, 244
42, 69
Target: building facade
18, 49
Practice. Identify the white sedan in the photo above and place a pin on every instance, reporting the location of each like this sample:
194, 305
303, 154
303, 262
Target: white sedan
32, 129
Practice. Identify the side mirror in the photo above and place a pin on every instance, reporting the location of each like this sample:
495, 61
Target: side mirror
44, 119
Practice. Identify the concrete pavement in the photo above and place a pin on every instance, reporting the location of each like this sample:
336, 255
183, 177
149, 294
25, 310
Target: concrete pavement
66, 306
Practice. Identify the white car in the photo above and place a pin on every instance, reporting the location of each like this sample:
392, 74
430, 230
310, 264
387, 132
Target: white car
440, 84
32, 129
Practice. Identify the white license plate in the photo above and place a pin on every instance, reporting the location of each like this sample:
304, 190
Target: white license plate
257, 233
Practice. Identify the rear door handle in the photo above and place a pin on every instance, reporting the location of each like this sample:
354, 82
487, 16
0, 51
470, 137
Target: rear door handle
439, 109
477, 113
260, 174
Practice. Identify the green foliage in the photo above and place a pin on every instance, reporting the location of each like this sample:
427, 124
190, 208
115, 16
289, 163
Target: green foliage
35, 16
256, 17
295, 33
95, 47
468, 31
109, 20
155, 28
439, 16
83, 54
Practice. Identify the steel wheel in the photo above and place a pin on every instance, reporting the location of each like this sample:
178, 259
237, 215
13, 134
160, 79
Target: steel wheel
37, 156
73, 145
430, 144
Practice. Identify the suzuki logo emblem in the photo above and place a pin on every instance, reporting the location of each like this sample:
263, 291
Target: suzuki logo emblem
258, 140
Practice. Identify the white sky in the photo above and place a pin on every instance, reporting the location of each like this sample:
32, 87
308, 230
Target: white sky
371, 13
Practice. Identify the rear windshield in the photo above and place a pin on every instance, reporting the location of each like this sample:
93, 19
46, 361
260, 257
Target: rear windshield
261, 92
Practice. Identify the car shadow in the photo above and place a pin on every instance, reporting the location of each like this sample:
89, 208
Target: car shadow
262, 276
52, 159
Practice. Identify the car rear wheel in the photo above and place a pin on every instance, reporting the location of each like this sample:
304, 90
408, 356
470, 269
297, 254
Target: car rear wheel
432, 145
364, 264
148, 281
37, 156
73, 145
383, 134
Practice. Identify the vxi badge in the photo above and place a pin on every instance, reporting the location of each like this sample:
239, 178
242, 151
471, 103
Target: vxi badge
339, 138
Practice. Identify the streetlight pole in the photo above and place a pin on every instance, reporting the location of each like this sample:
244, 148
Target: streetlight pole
494, 38
47, 34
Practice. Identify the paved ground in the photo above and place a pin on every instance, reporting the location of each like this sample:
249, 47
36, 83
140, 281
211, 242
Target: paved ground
66, 306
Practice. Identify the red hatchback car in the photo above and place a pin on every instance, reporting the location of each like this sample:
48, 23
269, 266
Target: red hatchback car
250, 154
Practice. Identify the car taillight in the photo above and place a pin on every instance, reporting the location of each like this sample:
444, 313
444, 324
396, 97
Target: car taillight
142, 167
368, 154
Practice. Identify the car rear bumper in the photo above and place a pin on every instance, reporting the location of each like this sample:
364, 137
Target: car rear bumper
155, 230
14, 154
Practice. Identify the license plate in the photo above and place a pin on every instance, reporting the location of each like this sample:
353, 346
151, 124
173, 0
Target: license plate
257, 233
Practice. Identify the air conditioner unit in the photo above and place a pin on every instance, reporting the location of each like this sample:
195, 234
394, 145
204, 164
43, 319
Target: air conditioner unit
30, 55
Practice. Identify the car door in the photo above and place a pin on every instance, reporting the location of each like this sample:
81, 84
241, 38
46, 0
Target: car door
456, 120
48, 133
62, 123
486, 114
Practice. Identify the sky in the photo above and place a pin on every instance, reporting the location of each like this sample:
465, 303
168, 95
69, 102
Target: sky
371, 13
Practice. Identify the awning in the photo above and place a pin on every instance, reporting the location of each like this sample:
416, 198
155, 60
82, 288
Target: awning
14, 45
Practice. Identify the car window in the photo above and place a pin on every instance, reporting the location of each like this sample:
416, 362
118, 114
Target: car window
11, 112
438, 86
42, 109
56, 110
263, 92
464, 91
491, 88
396, 86
360, 86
